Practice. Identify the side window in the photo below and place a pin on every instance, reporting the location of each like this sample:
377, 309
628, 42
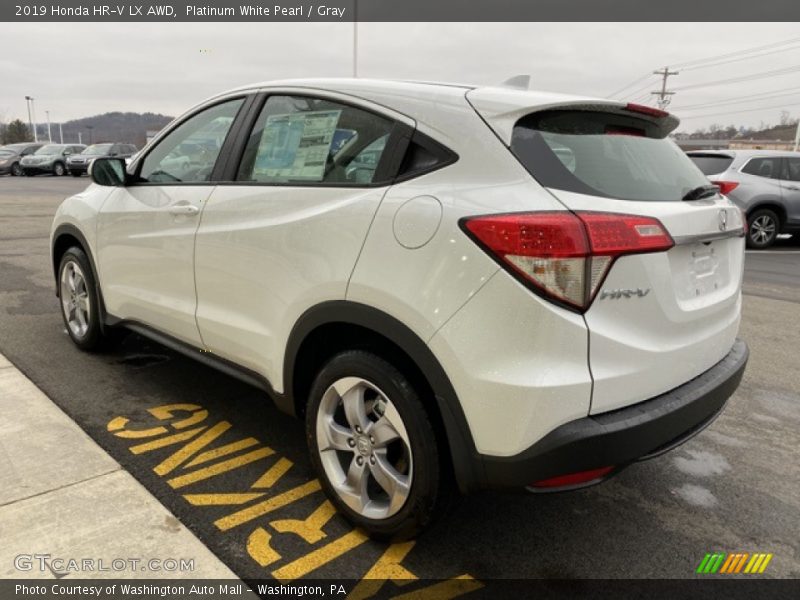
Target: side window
425, 154
791, 169
189, 152
769, 166
299, 139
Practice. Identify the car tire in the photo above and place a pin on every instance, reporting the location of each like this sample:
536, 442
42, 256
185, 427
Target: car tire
763, 226
377, 460
59, 169
16, 170
79, 299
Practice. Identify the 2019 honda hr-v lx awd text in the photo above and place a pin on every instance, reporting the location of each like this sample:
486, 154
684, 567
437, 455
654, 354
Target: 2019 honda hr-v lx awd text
455, 287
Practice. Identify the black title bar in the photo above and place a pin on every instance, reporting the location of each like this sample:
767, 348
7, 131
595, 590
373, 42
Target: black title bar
400, 11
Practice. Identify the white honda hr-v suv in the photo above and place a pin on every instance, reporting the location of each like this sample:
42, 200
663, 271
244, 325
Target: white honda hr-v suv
471, 287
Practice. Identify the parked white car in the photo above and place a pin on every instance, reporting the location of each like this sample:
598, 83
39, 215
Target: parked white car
485, 287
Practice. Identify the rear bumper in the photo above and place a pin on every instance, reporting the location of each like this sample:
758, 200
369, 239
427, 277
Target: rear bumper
625, 435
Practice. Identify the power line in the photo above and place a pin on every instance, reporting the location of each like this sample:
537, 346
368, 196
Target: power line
647, 86
751, 77
735, 53
741, 99
736, 112
733, 60
631, 84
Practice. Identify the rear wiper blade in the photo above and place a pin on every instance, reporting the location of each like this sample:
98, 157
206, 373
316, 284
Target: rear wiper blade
703, 191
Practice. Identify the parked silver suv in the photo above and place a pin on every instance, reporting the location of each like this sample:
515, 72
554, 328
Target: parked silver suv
765, 184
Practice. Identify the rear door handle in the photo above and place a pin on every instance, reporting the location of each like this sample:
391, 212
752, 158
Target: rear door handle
184, 209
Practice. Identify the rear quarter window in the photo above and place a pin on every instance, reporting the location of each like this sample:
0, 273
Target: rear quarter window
603, 154
768, 166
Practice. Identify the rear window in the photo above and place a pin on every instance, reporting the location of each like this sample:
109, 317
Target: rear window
603, 154
711, 164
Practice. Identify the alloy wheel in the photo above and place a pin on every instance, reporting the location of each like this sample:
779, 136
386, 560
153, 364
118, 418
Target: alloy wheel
75, 301
364, 448
763, 229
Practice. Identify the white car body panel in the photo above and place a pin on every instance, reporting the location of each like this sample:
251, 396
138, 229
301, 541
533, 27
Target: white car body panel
518, 365
688, 320
145, 256
265, 255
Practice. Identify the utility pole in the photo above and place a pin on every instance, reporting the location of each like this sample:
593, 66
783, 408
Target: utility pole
60, 133
49, 135
80, 138
663, 95
797, 136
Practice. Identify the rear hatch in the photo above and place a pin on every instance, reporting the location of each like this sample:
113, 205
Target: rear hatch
657, 319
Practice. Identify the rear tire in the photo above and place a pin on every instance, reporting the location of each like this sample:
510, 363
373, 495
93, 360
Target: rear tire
373, 447
58, 169
763, 226
16, 170
80, 302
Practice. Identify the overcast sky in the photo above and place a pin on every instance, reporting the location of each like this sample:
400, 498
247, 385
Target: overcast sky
76, 70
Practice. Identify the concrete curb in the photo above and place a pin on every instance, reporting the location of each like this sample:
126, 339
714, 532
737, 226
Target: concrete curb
61, 495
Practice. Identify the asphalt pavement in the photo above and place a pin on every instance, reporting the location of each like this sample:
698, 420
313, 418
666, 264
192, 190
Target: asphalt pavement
234, 471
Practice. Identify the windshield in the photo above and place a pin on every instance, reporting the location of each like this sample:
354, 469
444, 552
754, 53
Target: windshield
603, 154
98, 149
50, 149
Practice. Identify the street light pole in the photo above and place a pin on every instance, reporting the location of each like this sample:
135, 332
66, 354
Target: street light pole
49, 135
33, 110
60, 133
355, 38
29, 102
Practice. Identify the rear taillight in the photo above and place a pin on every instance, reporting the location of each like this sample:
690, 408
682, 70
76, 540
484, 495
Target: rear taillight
726, 187
565, 256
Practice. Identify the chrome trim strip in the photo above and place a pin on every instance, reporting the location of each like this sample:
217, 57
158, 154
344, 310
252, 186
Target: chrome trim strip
683, 240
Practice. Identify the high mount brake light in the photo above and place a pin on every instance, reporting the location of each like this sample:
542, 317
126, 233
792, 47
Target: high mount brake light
646, 110
565, 256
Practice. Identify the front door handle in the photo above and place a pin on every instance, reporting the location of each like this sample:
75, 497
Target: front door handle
184, 209
792, 187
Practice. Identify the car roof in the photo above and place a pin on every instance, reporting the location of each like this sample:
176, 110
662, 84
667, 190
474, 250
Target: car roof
403, 88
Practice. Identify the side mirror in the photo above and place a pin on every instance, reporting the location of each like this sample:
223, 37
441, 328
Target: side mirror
108, 172
67, 152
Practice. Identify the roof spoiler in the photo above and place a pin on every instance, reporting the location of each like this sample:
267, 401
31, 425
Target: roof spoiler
518, 82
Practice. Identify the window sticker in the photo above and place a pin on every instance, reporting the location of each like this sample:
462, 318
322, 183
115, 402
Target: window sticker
296, 146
